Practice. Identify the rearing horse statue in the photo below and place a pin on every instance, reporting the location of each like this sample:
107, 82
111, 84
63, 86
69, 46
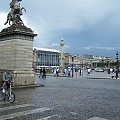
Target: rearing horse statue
15, 13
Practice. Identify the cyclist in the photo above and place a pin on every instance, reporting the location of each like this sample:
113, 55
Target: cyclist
7, 78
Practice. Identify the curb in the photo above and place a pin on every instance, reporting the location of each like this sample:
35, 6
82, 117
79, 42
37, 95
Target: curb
26, 86
100, 78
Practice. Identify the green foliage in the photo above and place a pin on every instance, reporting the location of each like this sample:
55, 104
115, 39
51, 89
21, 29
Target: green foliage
104, 64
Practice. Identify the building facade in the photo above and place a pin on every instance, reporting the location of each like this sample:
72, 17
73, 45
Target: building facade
48, 58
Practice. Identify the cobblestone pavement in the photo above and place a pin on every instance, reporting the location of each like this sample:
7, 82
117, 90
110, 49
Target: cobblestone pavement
66, 99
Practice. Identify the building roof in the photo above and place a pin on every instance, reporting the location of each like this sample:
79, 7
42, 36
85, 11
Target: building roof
46, 49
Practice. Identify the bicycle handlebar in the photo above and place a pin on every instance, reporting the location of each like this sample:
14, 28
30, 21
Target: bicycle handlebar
7, 81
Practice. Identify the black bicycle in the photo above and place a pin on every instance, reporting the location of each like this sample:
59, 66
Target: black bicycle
7, 93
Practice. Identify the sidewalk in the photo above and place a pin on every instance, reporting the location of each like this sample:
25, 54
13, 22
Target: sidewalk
84, 75
92, 75
99, 75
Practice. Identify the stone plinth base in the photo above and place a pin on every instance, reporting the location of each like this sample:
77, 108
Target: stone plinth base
24, 78
16, 53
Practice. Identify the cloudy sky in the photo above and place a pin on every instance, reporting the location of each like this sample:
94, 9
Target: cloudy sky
87, 26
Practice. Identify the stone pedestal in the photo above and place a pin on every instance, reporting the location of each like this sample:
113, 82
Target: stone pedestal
16, 53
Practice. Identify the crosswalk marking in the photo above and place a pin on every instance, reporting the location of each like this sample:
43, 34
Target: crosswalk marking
97, 118
28, 112
15, 107
46, 118
23, 113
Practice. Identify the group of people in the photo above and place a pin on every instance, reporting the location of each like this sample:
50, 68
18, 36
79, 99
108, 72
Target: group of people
67, 72
56, 72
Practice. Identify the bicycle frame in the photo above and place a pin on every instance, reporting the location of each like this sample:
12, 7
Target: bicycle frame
10, 89
9, 94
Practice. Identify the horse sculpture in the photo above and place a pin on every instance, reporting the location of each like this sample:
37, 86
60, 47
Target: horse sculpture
15, 13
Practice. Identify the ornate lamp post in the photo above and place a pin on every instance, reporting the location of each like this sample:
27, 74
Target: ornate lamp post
62, 56
72, 65
102, 62
34, 63
117, 65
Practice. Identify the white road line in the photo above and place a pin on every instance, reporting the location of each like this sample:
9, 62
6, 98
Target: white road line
46, 118
73, 113
97, 118
7, 102
15, 107
23, 113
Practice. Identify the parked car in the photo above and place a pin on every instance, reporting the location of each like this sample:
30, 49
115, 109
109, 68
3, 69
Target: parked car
99, 70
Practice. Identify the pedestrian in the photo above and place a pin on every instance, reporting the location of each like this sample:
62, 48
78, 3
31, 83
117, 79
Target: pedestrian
57, 72
41, 72
44, 73
108, 71
88, 70
69, 71
54, 72
80, 71
43, 77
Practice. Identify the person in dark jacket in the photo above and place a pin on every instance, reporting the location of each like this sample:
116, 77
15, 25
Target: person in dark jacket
41, 73
43, 77
44, 73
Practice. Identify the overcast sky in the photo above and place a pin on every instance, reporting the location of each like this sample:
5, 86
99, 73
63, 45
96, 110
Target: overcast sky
87, 26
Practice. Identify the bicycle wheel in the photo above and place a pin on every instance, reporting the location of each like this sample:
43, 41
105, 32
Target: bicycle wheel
11, 97
3, 96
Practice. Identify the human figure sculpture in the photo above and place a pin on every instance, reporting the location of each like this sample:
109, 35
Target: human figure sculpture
15, 13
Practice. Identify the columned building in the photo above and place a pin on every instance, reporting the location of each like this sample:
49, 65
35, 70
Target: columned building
48, 58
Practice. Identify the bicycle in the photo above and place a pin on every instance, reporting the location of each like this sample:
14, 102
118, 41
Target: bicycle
8, 93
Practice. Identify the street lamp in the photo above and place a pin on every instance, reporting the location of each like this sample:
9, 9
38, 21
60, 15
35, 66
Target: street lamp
62, 56
72, 64
117, 65
102, 62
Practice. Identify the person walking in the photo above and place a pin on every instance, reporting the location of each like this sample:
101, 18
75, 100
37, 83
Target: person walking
44, 73
54, 72
43, 77
40, 76
57, 72
80, 71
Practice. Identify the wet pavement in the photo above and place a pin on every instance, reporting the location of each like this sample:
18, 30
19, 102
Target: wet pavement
65, 99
